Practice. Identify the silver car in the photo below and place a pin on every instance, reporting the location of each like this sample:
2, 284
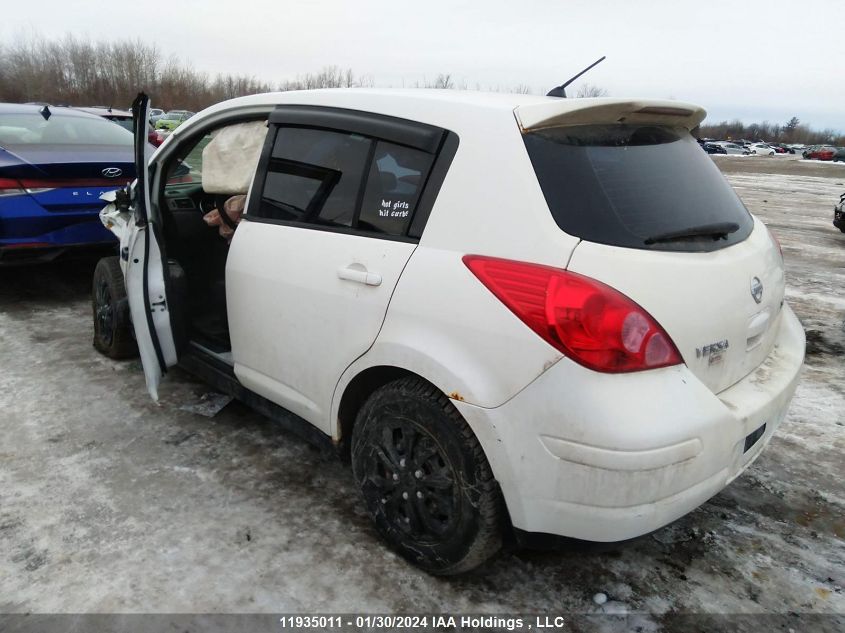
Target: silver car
733, 148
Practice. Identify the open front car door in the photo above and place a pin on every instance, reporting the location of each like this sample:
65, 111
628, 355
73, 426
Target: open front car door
142, 260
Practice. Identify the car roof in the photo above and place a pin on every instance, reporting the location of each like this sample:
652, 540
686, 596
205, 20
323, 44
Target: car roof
454, 108
23, 108
102, 111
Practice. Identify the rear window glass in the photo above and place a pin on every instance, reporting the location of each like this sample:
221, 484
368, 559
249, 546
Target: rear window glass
636, 186
33, 129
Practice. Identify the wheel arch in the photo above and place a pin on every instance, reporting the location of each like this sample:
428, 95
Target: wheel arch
355, 393
385, 362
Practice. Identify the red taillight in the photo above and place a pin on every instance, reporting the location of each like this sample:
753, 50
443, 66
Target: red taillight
586, 320
59, 183
10, 187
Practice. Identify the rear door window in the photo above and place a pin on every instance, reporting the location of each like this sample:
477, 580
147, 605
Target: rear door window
396, 178
636, 186
314, 176
342, 180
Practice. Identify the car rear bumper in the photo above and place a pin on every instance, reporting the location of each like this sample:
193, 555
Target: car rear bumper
27, 226
37, 253
607, 457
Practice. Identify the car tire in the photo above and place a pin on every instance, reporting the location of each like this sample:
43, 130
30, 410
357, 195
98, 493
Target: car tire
425, 480
113, 336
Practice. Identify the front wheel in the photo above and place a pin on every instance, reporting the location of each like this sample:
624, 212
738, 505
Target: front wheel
112, 326
425, 480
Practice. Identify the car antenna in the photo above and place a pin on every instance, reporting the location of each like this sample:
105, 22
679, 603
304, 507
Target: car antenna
45, 112
560, 91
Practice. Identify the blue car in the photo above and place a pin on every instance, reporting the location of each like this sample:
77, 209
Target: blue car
54, 165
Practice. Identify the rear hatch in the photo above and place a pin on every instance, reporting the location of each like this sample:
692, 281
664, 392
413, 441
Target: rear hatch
660, 223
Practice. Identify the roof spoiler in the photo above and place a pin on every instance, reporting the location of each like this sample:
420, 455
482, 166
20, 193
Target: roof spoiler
557, 113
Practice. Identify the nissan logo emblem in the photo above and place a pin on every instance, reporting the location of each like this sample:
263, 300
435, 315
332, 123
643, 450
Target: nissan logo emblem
112, 172
757, 289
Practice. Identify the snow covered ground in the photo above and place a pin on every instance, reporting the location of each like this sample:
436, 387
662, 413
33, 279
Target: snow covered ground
110, 503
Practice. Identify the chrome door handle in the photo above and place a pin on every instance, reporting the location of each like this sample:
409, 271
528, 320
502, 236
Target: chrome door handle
360, 276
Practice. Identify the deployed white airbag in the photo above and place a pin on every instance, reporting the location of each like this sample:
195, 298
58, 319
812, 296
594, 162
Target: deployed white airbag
230, 158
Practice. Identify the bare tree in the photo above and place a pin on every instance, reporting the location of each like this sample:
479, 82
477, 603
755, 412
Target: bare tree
327, 77
790, 127
443, 81
590, 90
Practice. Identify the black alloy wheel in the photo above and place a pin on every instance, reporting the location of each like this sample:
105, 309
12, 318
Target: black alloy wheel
425, 480
408, 473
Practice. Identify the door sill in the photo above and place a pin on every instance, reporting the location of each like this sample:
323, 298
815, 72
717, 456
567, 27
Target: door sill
218, 371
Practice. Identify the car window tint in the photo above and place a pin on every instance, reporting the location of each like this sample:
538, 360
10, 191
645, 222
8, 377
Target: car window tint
396, 178
314, 176
623, 185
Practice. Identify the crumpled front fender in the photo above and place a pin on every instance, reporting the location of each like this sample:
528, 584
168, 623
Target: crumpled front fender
116, 215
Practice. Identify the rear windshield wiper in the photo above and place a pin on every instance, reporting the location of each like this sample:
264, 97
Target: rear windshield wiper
716, 231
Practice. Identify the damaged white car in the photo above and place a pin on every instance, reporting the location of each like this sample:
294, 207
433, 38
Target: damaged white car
512, 313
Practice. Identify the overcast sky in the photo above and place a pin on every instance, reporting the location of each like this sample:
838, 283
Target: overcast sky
750, 59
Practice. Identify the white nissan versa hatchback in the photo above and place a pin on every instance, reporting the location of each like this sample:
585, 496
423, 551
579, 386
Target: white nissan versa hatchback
511, 312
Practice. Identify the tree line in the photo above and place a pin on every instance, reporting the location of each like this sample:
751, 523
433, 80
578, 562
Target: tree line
74, 71
79, 72
793, 131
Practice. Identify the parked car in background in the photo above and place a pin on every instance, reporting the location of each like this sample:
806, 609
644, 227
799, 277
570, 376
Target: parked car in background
155, 115
820, 152
173, 119
595, 365
839, 156
761, 149
54, 165
122, 117
839, 214
732, 148
713, 148
156, 137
